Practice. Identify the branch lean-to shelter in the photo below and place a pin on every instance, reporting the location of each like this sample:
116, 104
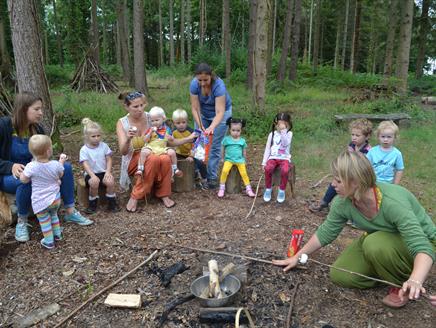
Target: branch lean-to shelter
90, 76
6, 100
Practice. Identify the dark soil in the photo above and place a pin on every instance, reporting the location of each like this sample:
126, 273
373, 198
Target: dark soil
90, 258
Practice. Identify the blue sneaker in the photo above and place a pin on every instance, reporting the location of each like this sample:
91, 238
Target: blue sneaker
46, 244
22, 232
267, 195
78, 218
281, 196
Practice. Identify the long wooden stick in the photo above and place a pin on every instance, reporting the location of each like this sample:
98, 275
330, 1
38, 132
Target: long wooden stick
255, 196
93, 297
320, 181
288, 318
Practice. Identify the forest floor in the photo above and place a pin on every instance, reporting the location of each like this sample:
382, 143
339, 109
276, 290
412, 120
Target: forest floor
90, 258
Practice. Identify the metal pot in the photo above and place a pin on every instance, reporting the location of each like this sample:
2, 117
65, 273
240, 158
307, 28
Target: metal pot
230, 286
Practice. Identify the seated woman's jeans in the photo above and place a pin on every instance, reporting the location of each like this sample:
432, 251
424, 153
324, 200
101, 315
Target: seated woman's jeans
215, 151
23, 191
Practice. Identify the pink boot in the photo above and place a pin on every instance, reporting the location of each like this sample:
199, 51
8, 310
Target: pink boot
221, 190
249, 191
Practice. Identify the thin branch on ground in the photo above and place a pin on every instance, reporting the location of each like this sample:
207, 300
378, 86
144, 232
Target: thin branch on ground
288, 318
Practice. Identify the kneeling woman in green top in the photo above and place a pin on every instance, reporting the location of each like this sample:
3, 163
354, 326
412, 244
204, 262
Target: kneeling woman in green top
399, 241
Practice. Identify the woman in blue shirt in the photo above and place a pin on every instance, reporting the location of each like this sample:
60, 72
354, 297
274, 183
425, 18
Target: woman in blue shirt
211, 106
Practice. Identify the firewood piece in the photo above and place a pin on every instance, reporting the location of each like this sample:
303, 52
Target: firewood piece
228, 269
233, 183
37, 315
123, 300
220, 315
186, 182
165, 275
214, 283
5, 210
172, 305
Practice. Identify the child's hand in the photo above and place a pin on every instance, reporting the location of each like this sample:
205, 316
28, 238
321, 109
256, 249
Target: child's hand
108, 178
192, 136
190, 159
170, 138
263, 167
63, 158
154, 129
281, 126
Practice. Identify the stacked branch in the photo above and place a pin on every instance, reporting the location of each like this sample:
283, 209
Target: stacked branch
90, 76
213, 290
6, 104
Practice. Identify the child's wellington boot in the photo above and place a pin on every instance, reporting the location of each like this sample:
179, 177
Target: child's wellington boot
249, 191
221, 190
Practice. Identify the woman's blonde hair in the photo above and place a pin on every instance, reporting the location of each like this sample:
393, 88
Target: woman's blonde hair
89, 126
39, 144
388, 125
180, 114
354, 167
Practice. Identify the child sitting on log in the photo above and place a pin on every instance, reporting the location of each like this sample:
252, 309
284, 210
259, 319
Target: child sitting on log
96, 158
360, 131
234, 152
278, 153
182, 130
156, 140
45, 175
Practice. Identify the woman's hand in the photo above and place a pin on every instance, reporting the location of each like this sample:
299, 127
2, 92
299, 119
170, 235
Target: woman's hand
415, 289
133, 131
433, 300
17, 169
288, 263
208, 131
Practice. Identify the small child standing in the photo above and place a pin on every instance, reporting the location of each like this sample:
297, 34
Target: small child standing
182, 130
278, 153
45, 175
386, 159
156, 140
234, 153
96, 159
360, 131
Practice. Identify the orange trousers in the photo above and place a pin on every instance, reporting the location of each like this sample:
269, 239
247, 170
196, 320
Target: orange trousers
156, 176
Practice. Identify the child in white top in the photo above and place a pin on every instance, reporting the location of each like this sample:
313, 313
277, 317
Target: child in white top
278, 153
96, 159
386, 159
156, 140
45, 175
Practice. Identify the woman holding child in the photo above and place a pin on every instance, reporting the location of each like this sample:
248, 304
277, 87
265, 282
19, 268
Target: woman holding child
131, 130
399, 241
211, 106
15, 133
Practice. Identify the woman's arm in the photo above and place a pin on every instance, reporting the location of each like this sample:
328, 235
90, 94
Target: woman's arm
311, 246
123, 138
195, 108
421, 267
220, 108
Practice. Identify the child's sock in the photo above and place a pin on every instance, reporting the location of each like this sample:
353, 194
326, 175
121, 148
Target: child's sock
174, 167
56, 226
46, 227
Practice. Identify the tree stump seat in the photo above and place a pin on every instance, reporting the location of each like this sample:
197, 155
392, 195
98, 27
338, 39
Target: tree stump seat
400, 119
187, 181
83, 193
234, 181
290, 186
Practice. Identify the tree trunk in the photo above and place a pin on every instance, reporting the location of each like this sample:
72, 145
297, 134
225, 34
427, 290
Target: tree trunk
58, 36
261, 54
316, 37
161, 47
227, 38
182, 31
424, 26
124, 46
285, 43
295, 41
392, 28
118, 44
338, 36
5, 60
171, 3
270, 49
402, 65
274, 28
28, 56
94, 32
309, 53
202, 21
189, 32
251, 43
138, 46
354, 57
345, 35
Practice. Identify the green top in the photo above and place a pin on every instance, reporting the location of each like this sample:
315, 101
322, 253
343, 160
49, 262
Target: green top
399, 212
234, 149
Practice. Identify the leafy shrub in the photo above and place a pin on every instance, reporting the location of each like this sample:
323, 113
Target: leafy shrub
58, 76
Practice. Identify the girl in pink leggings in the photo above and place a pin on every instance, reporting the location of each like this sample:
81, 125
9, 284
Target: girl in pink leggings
278, 153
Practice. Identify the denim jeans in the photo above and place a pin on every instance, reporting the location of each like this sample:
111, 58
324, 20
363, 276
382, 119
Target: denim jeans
23, 191
329, 194
215, 151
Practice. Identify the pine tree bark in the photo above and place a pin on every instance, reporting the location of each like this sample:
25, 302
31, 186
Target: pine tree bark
189, 31
392, 29
171, 13
261, 54
345, 35
124, 46
316, 37
138, 46
182, 31
270, 24
28, 56
118, 44
354, 57
95, 45
338, 36
309, 52
281, 72
227, 39
295, 41
161, 47
202, 22
58, 36
402, 64
251, 43
424, 26
5, 60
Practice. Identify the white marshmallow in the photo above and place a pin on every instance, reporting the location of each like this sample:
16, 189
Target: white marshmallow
303, 259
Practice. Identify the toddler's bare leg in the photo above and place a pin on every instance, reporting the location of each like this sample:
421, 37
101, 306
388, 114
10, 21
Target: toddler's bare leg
145, 152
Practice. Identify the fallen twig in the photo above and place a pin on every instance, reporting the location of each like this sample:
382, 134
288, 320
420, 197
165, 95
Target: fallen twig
105, 289
255, 196
320, 181
288, 318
